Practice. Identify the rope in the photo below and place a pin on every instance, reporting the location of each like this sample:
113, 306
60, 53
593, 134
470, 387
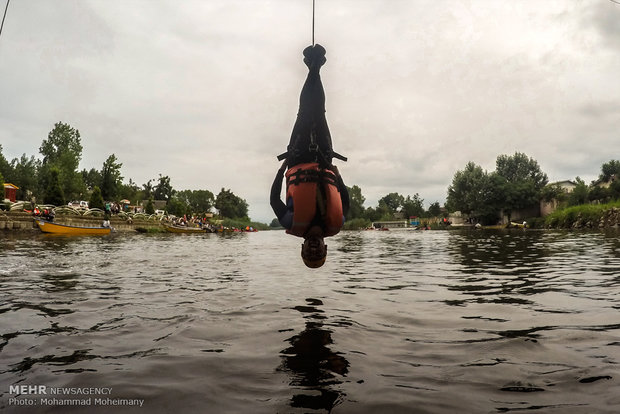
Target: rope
313, 22
3, 17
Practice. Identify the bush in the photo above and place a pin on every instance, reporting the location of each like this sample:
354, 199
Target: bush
243, 223
356, 224
54, 194
149, 209
585, 213
96, 200
535, 222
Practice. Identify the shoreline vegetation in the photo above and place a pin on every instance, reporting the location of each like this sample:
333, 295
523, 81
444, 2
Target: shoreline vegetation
55, 181
24, 220
515, 191
580, 217
585, 216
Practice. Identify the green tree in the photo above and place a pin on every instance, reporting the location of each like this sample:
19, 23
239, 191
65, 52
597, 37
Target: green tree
111, 178
275, 223
552, 192
198, 201
464, 194
519, 167
356, 207
579, 195
147, 189
96, 199
150, 208
177, 207
492, 198
524, 179
614, 189
1, 187
163, 190
231, 206
25, 172
413, 206
392, 201
372, 214
91, 178
54, 194
130, 191
384, 211
62, 150
5, 167
609, 170
434, 210
600, 194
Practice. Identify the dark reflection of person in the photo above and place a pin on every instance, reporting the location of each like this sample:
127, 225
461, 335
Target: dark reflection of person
312, 365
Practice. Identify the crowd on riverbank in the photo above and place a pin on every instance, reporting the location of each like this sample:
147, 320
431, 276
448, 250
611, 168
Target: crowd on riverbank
20, 217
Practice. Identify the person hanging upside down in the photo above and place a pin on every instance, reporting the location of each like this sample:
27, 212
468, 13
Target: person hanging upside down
316, 197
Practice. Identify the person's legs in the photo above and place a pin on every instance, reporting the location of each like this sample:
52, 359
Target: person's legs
311, 122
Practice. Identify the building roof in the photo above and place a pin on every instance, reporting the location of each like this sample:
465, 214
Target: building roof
9, 185
565, 182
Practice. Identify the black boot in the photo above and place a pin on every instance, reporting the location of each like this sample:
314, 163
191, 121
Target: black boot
314, 56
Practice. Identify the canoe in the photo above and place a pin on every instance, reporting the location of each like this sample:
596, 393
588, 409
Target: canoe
183, 229
49, 227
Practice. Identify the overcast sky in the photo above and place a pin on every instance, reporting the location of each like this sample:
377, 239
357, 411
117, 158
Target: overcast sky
207, 92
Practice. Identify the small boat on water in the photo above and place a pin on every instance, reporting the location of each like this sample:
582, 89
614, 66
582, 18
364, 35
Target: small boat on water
55, 228
184, 229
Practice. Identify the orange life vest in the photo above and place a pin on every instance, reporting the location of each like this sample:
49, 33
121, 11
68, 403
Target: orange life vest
310, 186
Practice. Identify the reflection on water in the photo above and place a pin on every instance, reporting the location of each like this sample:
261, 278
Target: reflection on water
312, 364
428, 322
515, 252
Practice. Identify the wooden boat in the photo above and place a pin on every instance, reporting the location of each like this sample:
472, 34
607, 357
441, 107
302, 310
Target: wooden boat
183, 229
49, 227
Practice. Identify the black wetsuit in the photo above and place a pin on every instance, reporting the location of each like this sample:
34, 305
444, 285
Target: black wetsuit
310, 139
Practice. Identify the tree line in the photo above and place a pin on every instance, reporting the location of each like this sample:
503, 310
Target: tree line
389, 207
519, 183
55, 179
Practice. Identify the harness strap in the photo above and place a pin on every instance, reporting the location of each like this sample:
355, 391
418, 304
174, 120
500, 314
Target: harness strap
314, 148
311, 176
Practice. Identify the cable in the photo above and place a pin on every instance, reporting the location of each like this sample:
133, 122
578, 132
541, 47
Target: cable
312, 22
6, 8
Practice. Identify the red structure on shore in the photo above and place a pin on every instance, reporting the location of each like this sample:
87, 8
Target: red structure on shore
10, 192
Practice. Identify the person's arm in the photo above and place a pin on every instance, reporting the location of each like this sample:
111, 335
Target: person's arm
276, 188
342, 188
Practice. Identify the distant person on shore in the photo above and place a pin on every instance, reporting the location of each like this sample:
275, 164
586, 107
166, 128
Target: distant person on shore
316, 197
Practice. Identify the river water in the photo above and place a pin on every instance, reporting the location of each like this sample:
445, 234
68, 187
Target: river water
395, 322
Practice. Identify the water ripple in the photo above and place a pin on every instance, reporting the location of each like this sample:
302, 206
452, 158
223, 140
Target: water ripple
492, 321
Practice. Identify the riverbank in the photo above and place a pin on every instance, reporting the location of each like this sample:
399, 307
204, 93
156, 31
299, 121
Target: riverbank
23, 222
586, 216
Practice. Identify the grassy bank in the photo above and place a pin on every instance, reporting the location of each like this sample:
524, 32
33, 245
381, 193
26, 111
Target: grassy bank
242, 224
584, 216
